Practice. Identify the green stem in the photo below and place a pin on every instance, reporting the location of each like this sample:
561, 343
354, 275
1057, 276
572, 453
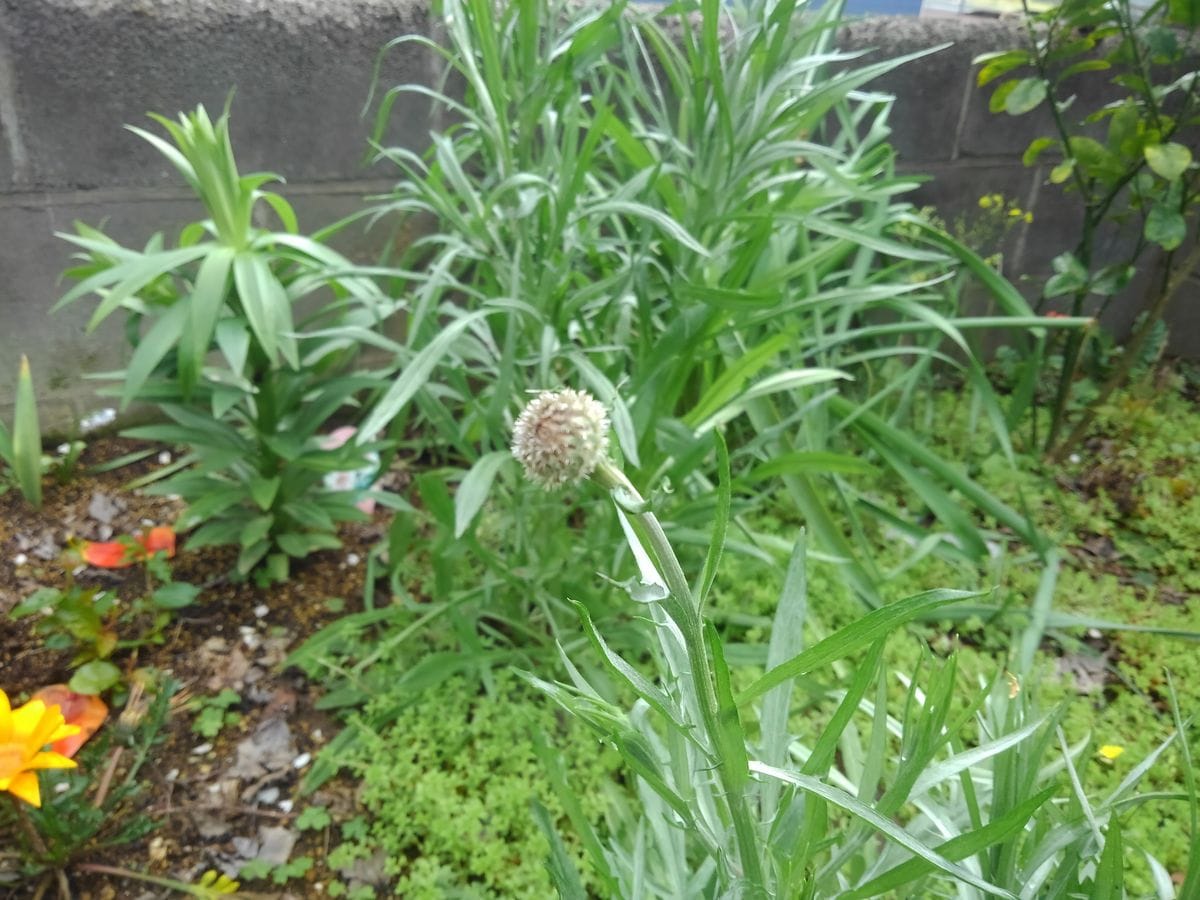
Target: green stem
691, 625
1131, 353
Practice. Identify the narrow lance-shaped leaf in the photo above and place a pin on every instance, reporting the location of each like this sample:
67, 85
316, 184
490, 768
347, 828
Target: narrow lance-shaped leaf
853, 638
884, 826
474, 488
27, 438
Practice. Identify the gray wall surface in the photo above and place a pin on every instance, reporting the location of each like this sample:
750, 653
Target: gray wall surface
73, 72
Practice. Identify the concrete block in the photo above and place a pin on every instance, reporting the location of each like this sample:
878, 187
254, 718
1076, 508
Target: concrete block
302, 71
1183, 319
60, 350
930, 90
954, 190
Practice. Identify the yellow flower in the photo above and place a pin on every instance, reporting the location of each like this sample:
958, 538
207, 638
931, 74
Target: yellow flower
985, 201
1028, 217
23, 734
1111, 751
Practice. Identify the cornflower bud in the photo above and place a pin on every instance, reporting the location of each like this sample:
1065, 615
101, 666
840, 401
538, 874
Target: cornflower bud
561, 437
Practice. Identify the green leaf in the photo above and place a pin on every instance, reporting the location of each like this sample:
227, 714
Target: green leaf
1025, 96
263, 490
1112, 279
175, 595
562, 868
415, 374
999, 63
716, 544
1165, 226
730, 382
1168, 160
163, 335
1109, 883
1123, 138
1085, 65
1069, 276
26, 455
956, 848
641, 211
882, 824
474, 488
204, 308
1000, 96
730, 736
1184, 12
635, 680
1062, 171
94, 677
1036, 148
816, 462
256, 530
300, 545
853, 638
266, 306
1095, 159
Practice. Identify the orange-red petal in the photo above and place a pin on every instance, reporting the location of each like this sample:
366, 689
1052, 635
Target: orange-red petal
83, 714
160, 538
106, 554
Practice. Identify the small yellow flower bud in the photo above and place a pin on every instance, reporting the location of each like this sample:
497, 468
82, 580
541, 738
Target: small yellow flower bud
1111, 751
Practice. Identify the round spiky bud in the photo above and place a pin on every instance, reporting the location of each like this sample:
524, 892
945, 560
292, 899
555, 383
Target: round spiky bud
560, 437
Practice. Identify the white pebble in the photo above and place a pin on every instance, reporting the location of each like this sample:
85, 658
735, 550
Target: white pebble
1094, 633
317, 734
98, 419
268, 795
164, 458
286, 805
20, 559
250, 637
62, 787
1075, 458
172, 775
352, 559
261, 610
301, 761
201, 749
63, 449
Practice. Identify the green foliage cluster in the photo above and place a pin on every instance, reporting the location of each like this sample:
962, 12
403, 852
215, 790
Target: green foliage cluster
616, 186
218, 349
1126, 156
448, 785
21, 448
70, 824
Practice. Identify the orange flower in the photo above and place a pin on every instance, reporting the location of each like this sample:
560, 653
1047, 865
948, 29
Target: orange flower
86, 711
124, 553
24, 732
159, 538
107, 554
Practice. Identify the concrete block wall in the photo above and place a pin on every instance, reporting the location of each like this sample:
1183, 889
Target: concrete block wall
942, 128
73, 72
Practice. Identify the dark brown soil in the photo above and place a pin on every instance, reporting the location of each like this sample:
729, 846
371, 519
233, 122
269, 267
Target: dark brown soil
235, 636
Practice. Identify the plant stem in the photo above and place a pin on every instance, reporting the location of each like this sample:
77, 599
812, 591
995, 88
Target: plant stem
691, 626
1130, 356
40, 848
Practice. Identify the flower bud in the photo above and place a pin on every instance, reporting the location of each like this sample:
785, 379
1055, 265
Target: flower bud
560, 437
